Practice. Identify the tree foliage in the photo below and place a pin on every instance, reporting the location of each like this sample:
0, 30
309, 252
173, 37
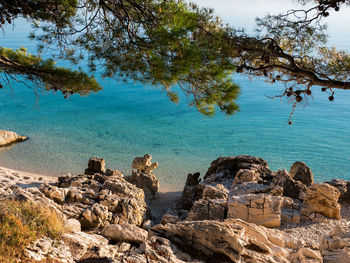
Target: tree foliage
175, 44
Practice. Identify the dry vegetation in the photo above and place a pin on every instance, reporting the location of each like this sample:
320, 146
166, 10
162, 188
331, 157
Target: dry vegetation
22, 223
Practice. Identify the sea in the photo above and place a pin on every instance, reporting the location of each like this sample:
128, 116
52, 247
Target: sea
129, 119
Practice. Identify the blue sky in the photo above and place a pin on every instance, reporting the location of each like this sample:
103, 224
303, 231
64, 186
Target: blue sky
242, 13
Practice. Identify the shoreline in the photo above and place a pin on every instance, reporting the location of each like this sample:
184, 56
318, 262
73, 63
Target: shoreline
23, 178
28, 179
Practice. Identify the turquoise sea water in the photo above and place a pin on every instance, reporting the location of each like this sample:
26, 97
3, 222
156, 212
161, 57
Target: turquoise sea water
128, 120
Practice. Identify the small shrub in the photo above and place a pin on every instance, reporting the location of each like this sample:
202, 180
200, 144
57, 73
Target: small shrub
24, 222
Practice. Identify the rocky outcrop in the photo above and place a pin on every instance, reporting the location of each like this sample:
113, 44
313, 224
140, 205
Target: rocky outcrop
261, 209
291, 188
335, 247
190, 192
97, 199
221, 218
224, 170
96, 165
229, 241
321, 200
9, 137
212, 206
144, 164
47, 249
343, 188
142, 176
253, 192
299, 171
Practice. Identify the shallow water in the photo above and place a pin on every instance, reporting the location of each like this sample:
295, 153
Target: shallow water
128, 120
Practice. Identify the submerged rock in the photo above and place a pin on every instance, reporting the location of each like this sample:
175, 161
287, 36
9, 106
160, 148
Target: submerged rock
9, 137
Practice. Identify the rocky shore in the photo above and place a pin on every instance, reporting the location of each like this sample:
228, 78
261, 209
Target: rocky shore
239, 211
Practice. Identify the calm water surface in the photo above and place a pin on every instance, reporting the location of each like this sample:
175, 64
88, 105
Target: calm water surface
128, 120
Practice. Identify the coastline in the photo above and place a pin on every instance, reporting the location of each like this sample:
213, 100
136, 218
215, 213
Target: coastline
22, 178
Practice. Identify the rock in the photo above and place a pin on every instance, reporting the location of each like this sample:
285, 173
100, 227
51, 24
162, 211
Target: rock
145, 181
80, 242
9, 137
217, 192
261, 209
47, 250
159, 249
207, 210
343, 187
96, 165
301, 172
229, 241
212, 206
54, 193
322, 199
335, 247
72, 225
306, 255
291, 188
95, 216
125, 232
126, 202
255, 188
291, 216
144, 164
169, 218
115, 173
246, 175
190, 192
192, 179
224, 169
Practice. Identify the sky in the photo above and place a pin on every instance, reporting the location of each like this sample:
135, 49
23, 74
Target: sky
242, 13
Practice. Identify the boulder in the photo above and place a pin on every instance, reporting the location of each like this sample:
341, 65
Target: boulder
228, 167
335, 247
169, 218
145, 181
299, 171
343, 188
95, 216
261, 209
212, 205
9, 137
158, 249
207, 210
54, 193
190, 192
321, 199
144, 164
72, 225
229, 241
80, 242
97, 200
96, 165
47, 250
217, 192
125, 233
291, 188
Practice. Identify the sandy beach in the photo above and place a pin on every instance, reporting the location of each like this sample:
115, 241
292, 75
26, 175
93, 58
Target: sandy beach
23, 179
